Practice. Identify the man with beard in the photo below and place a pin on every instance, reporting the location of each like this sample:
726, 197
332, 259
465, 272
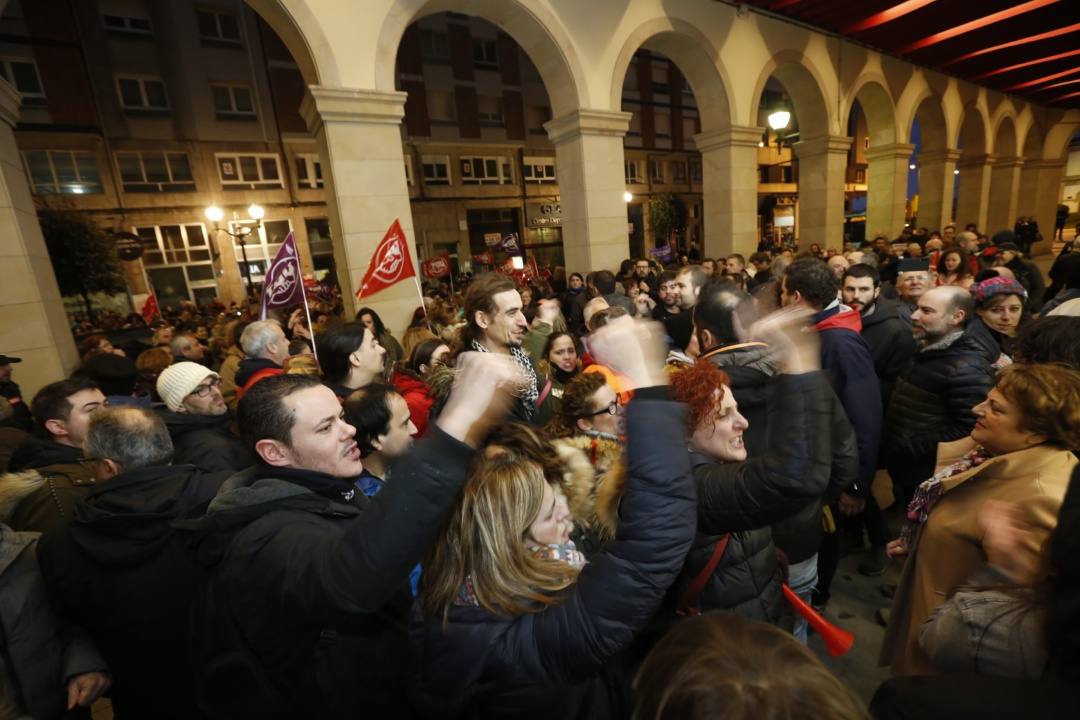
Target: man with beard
932, 400
644, 276
688, 283
198, 419
889, 337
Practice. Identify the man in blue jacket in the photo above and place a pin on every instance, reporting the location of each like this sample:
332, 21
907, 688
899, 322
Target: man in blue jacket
846, 360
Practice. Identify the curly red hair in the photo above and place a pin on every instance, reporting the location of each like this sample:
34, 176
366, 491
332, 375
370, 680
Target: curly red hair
696, 386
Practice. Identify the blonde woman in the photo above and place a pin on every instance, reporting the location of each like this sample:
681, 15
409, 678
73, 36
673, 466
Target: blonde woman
511, 621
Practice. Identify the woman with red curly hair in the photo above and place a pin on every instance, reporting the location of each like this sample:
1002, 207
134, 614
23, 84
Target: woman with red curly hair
733, 564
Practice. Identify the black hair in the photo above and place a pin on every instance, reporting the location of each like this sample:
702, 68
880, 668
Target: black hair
422, 353
1051, 339
380, 329
859, 270
665, 277
812, 278
51, 402
715, 311
577, 275
760, 257
604, 281
262, 413
368, 410
551, 341
335, 345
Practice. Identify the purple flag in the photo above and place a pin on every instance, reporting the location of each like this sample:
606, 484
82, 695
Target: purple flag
283, 285
511, 245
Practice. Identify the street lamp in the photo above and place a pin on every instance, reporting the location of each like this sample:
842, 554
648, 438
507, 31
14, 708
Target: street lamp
214, 214
779, 118
627, 196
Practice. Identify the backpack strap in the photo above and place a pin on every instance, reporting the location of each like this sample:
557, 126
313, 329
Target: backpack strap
543, 393
688, 602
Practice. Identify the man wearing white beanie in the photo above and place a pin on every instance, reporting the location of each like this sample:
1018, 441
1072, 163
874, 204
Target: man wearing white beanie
198, 419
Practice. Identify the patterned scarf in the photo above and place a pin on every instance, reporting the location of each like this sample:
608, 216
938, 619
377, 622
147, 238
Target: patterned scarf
566, 552
930, 491
531, 393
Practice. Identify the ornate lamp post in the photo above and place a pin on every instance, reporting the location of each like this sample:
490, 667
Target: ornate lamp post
214, 214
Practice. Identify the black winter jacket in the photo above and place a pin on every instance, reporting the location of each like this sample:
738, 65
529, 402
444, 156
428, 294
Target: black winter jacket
206, 442
306, 605
743, 499
543, 665
37, 451
120, 572
891, 344
932, 402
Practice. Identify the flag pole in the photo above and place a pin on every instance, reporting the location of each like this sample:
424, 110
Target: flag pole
307, 312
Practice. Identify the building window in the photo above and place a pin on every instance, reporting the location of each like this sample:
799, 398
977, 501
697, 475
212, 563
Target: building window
218, 27
145, 93
249, 172
23, 75
440, 105
308, 170
695, 170
436, 169
678, 171
176, 245
260, 245
486, 171
127, 24
539, 170
490, 109
434, 46
233, 102
485, 54
62, 171
150, 172
656, 171
634, 175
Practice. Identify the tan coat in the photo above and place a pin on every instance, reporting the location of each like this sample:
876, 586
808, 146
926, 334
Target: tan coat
950, 550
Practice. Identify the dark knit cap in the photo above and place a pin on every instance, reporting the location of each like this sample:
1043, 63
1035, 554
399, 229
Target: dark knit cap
114, 374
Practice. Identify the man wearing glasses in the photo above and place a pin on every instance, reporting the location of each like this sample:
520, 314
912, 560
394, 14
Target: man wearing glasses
198, 419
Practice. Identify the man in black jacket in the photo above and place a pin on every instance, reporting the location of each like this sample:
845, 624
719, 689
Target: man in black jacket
119, 571
306, 606
932, 400
54, 476
198, 419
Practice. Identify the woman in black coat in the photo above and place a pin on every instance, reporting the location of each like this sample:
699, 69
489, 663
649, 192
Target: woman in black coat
510, 623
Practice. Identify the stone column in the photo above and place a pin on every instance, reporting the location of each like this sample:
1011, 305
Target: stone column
589, 163
1004, 194
1046, 182
972, 203
359, 136
937, 185
822, 164
33, 323
729, 189
886, 188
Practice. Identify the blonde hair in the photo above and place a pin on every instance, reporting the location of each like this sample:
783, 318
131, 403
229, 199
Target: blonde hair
484, 540
303, 364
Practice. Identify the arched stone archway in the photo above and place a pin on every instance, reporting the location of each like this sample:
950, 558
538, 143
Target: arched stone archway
822, 156
974, 168
887, 160
936, 163
1004, 177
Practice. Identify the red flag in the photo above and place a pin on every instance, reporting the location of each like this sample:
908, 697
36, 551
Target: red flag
436, 267
484, 258
150, 308
389, 264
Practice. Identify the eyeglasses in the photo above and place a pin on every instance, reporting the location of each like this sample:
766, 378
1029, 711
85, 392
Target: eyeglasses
611, 409
204, 390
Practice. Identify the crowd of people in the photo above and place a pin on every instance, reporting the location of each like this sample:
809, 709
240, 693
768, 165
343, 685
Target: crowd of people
580, 496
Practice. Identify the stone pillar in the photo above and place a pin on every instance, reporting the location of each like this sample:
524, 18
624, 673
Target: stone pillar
589, 162
729, 189
33, 323
972, 203
886, 188
1046, 179
937, 185
359, 136
1004, 194
822, 165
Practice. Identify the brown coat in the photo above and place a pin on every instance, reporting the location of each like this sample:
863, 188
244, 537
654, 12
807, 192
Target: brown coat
949, 549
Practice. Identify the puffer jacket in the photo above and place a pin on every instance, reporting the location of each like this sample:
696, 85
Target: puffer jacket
891, 344
544, 664
932, 401
743, 499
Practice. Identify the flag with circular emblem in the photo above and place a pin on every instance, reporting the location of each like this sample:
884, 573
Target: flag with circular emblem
390, 263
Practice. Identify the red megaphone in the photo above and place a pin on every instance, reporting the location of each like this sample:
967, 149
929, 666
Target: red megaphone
837, 640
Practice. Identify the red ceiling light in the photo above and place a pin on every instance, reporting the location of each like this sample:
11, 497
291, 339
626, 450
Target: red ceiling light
1029, 63
975, 25
1066, 97
1056, 85
1040, 81
1014, 43
896, 11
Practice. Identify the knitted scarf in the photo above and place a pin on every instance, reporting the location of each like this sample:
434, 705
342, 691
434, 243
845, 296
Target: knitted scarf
930, 491
529, 395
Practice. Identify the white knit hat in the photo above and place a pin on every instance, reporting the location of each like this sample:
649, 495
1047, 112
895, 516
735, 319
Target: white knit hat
178, 381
